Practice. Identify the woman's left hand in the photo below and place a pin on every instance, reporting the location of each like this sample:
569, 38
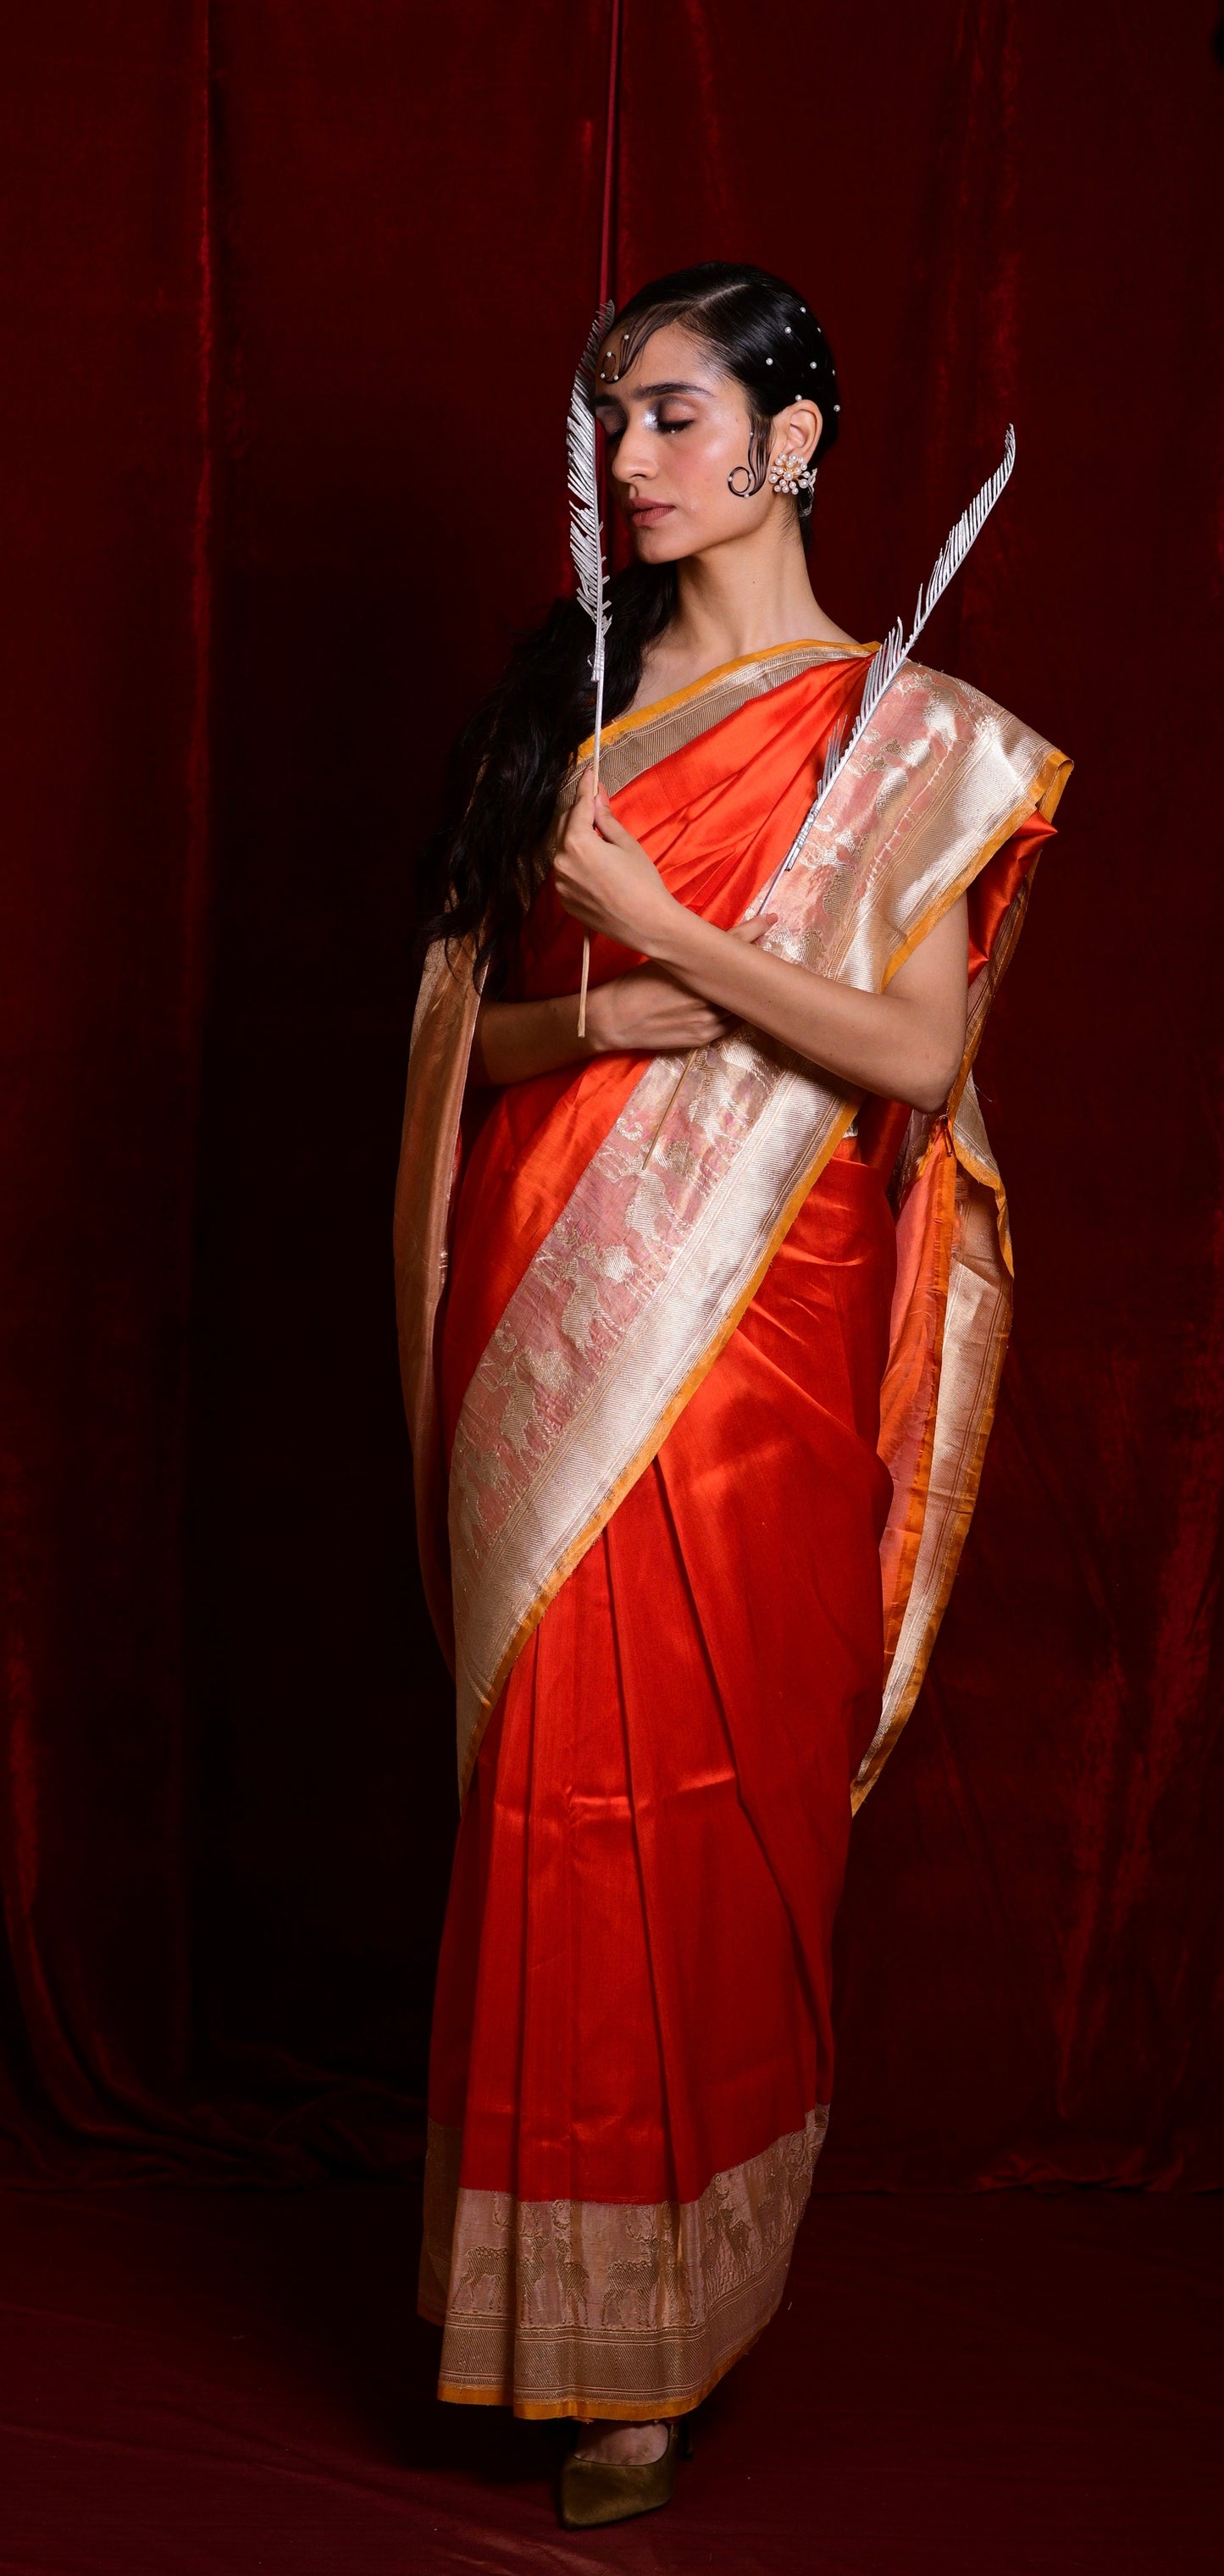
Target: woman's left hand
605, 879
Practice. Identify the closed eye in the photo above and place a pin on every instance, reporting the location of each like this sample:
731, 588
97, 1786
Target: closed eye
613, 423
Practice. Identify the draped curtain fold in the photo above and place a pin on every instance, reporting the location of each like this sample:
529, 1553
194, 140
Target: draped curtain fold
291, 298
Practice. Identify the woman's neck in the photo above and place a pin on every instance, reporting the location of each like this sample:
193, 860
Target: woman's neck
732, 601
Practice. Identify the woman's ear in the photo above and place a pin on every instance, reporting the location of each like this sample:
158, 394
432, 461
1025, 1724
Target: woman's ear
798, 428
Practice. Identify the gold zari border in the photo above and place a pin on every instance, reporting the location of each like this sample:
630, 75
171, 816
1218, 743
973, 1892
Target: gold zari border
606, 2308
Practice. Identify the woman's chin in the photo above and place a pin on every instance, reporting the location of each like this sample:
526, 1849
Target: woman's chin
665, 542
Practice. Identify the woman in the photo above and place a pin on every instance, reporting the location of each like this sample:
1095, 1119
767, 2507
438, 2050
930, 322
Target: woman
726, 1294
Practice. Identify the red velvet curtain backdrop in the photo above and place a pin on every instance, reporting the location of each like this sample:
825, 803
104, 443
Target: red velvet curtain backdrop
292, 296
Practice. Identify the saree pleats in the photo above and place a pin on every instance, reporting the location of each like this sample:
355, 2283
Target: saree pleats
633, 2035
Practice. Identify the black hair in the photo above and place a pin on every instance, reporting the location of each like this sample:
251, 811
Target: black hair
483, 867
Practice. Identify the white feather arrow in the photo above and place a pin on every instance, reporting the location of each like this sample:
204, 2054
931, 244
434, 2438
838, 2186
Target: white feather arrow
896, 649
881, 672
586, 547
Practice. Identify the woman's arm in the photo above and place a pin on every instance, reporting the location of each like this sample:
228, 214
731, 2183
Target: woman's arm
905, 1044
645, 1010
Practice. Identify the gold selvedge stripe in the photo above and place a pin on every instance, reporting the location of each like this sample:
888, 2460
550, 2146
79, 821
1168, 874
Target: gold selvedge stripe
627, 2410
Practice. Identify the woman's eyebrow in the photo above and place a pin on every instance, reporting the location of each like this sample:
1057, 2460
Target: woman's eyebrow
646, 393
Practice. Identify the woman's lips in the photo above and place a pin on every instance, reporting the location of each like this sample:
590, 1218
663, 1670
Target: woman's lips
646, 514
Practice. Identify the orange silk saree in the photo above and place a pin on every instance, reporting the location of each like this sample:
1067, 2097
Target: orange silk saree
699, 1360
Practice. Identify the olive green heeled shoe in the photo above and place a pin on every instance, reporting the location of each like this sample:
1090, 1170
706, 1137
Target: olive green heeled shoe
595, 2491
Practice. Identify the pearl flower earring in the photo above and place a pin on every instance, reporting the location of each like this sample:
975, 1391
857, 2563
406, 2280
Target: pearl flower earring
790, 475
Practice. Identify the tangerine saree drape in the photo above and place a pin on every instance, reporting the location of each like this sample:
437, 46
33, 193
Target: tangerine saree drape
699, 1381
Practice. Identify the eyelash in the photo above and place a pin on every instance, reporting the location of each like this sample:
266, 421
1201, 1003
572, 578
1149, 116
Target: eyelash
666, 428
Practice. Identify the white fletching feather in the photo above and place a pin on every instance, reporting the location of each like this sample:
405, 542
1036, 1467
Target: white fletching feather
586, 534
897, 646
586, 547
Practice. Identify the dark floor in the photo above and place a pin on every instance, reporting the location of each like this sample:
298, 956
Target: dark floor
985, 2385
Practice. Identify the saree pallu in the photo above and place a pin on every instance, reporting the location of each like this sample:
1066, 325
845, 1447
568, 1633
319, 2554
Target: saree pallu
706, 1365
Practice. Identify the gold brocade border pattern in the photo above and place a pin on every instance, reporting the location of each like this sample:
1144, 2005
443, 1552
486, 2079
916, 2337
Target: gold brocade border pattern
444, 1022
979, 1300
607, 2307
642, 1277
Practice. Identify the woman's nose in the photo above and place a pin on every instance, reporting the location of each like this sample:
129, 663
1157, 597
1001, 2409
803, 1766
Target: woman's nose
634, 463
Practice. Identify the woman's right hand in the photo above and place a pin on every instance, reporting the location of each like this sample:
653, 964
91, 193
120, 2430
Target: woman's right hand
644, 1012
647, 1012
